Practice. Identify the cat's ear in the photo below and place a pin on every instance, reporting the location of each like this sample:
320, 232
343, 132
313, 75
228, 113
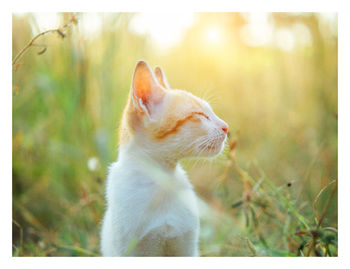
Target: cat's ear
161, 77
147, 92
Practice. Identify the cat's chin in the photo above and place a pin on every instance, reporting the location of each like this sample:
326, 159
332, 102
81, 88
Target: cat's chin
218, 150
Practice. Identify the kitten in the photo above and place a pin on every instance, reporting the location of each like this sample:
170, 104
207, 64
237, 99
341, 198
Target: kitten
151, 205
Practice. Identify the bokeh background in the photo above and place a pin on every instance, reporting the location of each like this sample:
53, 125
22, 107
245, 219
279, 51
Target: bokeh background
271, 76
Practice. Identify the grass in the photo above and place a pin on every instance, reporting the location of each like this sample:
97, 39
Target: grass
273, 192
303, 235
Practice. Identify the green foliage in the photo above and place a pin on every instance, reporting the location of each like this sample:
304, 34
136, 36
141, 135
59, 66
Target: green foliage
272, 192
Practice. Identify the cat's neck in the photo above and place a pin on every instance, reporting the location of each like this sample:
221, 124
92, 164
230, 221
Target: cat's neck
147, 168
133, 151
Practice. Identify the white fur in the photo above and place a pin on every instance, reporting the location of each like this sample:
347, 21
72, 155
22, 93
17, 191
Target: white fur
151, 209
150, 206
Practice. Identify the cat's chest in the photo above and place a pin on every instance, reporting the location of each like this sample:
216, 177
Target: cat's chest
171, 212
155, 201
164, 197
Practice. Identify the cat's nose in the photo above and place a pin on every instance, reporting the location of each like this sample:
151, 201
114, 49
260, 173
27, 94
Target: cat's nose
225, 128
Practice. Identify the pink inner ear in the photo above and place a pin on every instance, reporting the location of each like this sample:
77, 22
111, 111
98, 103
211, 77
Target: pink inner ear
145, 87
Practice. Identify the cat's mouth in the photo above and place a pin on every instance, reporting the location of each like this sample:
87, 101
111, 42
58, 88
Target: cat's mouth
214, 146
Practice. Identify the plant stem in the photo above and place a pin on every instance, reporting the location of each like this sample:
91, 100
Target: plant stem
31, 42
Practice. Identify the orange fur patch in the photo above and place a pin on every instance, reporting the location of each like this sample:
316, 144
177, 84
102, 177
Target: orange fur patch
174, 129
175, 115
130, 120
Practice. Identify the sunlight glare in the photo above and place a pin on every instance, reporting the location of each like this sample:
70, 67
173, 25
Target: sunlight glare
285, 39
213, 35
46, 21
90, 24
165, 29
303, 34
259, 30
330, 19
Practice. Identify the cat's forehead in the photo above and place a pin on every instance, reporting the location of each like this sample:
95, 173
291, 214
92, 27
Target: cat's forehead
185, 101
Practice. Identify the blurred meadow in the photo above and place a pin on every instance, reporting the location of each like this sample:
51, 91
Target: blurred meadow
272, 77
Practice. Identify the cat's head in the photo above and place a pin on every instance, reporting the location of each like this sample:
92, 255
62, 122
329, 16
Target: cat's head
169, 123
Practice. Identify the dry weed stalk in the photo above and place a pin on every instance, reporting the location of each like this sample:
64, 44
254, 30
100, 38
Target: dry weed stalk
59, 31
314, 233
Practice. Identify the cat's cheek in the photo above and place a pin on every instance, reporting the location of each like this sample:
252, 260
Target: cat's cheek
197, 129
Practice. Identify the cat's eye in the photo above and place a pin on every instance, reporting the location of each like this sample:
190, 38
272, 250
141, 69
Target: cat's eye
202, 114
